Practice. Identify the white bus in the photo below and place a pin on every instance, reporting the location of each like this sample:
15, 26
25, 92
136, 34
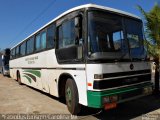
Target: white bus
4, 62
0, 62
90, 55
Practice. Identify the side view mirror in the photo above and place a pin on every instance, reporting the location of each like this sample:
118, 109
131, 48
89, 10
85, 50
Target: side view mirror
79, 52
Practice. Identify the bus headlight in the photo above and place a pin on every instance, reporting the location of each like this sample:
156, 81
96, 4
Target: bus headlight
98, 76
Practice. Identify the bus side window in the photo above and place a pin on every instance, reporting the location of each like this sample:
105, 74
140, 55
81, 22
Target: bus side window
14, 53
50, 36
17, 51
38, 42
66, 34
11, 55
30, 45
60, 37
23, 49
43, 40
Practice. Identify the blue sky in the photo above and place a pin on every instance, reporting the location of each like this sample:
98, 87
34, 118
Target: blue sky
20, 18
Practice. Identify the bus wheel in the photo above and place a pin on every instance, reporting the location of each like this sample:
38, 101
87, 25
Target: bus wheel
72, 98
19, 78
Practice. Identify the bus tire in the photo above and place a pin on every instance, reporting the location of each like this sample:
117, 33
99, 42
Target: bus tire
19, 78
72, 98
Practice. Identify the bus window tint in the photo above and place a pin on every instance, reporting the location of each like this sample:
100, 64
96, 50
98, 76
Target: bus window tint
68, 34
13, 53
17, 51
38, 42
23, 49
50, 36
60, 36
30, 45
43, 40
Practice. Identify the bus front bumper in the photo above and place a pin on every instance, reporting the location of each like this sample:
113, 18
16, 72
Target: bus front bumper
99, 99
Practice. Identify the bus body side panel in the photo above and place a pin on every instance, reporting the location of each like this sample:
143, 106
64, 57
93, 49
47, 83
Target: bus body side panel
80, 80
51, 75
77, 71
42, 71
50, 82
13, 73
30, 68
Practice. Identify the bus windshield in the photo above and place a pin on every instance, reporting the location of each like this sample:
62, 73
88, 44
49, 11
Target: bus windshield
106, 39
135, 38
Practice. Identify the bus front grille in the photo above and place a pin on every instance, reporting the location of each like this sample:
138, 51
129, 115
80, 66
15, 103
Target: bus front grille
119, 81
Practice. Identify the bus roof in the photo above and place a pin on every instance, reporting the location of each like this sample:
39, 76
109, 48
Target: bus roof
81, 7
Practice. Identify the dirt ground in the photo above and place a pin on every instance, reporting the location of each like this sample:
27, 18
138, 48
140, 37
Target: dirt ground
21, 99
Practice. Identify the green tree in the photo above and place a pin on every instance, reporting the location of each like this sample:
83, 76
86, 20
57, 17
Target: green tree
152, 32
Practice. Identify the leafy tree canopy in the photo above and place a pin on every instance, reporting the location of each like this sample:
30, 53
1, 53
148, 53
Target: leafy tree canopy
152, 29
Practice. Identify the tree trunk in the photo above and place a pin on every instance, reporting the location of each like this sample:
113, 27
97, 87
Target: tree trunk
156, 91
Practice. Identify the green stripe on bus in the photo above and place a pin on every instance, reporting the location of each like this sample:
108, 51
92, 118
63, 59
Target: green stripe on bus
31, 76
28, 78
95, 98
35, 72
